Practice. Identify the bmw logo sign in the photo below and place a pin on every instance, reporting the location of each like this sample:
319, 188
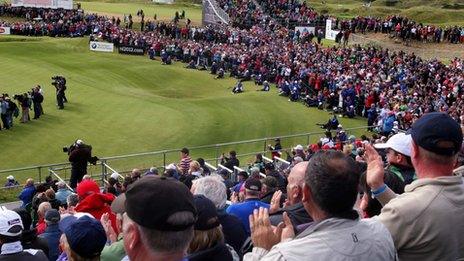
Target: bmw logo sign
94, 45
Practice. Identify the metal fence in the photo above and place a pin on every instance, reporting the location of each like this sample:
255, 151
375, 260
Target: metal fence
246, 151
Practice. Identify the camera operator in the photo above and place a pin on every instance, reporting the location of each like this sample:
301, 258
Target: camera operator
37, 99
60, 85
79, 154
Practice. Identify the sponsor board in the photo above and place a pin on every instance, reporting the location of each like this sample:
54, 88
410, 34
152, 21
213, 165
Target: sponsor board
305, 30
101, 47
329, 33
129, 49
53, 4
4, 30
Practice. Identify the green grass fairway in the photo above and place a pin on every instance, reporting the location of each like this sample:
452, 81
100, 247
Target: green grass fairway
126, 104
425, 11
163, 12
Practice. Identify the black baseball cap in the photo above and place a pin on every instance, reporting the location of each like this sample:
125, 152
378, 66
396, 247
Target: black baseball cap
437, 132
151, 200
253, 184
243, 174
207, 213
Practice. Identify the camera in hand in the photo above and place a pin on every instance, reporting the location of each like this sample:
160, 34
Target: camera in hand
79, 147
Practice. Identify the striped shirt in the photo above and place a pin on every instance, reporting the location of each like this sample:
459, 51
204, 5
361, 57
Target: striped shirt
185, 164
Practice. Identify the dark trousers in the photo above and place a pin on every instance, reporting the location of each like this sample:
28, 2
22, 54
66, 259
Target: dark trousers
37, 111
76, 176
59, 100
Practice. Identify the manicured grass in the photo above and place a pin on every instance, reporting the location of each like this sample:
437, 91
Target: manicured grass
126, 104
425, 11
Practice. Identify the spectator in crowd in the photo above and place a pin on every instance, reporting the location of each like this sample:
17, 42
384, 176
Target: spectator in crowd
214, 189
425, 221
11, 227
11, 182
83, 238
52, 234
293, 206
208, 238
369, 205
27, 193
72, 200
185, 160
329, 194
204, 169
135, 174
93, 202
115, 250
55, 203
29, 239
252, 202
272, 172
231, 161
152, 171
43, 208
268, 188
63, 192
162, 227
398, 154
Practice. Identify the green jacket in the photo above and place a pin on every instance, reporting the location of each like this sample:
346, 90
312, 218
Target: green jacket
113, 252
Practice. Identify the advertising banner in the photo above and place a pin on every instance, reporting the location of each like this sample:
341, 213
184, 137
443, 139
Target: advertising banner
54, 4
329, 33
101, 47
4, 30
129, 49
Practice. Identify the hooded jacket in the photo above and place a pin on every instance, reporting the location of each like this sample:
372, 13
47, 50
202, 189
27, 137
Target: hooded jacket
98, 204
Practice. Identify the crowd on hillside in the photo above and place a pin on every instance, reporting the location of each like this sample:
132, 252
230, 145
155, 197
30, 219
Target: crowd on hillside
330, 202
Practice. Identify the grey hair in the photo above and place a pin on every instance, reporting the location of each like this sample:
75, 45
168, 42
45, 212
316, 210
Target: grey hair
72, 200
168, 241
213, 188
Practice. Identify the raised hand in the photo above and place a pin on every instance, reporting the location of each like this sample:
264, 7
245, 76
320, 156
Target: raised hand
263, 234
375, 171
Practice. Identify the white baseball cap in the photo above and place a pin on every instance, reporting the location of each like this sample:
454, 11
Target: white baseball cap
399, 142
10, 223
299, 147
115, 175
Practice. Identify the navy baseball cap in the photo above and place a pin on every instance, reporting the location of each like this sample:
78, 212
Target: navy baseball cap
437, 132
207, 214
85, 235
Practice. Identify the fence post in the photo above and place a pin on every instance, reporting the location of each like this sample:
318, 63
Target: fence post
308, 139
265, 146
164, 159
217, 155
103, 175
40, 174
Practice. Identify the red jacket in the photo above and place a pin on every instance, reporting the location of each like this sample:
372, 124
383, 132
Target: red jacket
97, 204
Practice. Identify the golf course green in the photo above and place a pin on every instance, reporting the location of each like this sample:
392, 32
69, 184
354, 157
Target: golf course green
123, 104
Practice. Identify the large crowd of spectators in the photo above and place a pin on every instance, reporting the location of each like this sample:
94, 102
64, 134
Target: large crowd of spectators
363, 199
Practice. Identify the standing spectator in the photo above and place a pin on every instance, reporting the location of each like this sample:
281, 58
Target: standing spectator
245, 209
11, 227
293, 206
62, 193
11, 182
83, 238
185, 160
214, 189
231, 161
52, 234
24, 102
28, 193
208, 238
93, 202
425, 221
37, 100
337, 233
29, 238
399, 156
160, 228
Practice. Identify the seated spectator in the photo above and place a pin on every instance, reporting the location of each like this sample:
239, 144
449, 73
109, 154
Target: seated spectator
268, 187
245, 209
231, 161
162, 227
83, 238
52, 234
272, 172
205, 170
151, 171
29, 239
135, 174
27, 193
242, 177
11, 182
329, 194
214, 189
63, 192
293, 206
50, 193
93, 202
72, 200
115, 250
11, 228
43, 208
208, 239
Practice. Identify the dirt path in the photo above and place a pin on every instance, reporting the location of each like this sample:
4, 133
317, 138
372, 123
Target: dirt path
442, 51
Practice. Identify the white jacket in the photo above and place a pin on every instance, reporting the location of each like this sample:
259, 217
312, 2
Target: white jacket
334, 239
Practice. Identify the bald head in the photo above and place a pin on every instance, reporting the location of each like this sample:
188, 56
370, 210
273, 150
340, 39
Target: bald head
295, 183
